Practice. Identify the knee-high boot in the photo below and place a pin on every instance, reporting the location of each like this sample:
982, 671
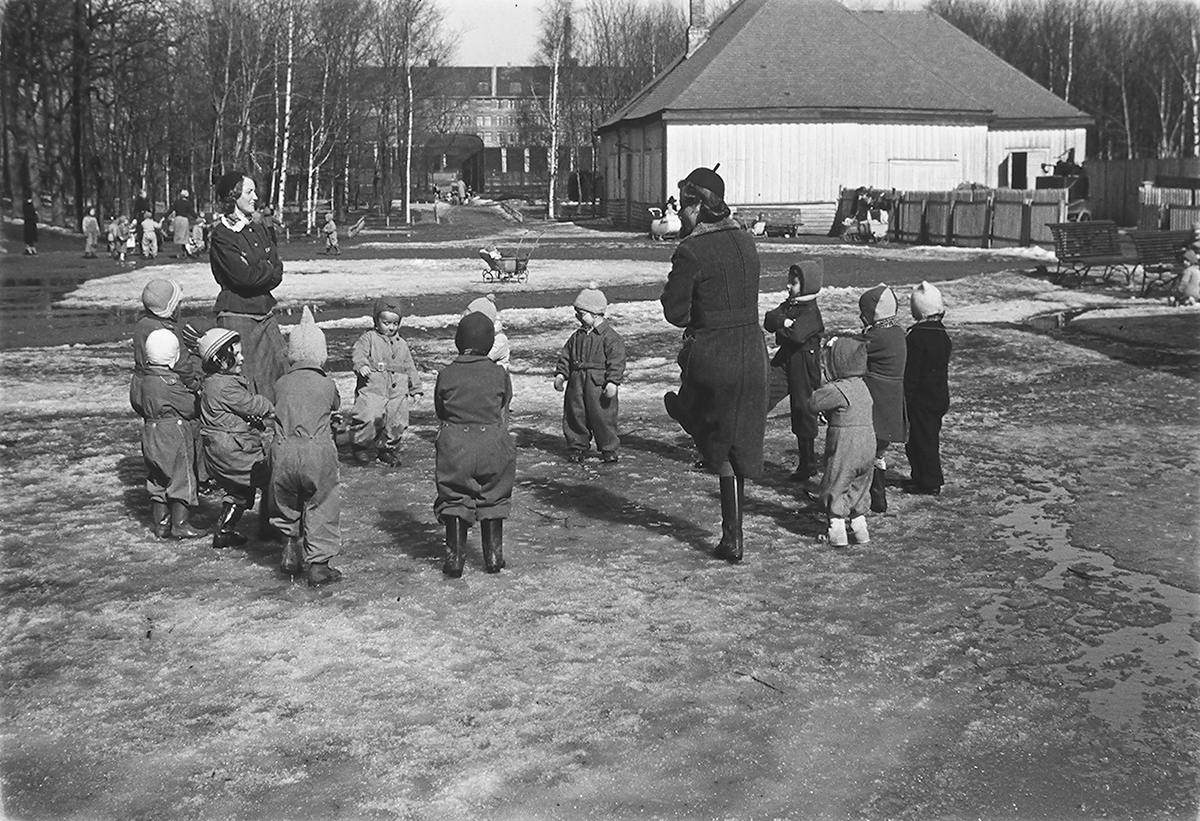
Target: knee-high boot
878, 492
492, 535
807, 465
225, 535
732, 497
456, 542
160, 517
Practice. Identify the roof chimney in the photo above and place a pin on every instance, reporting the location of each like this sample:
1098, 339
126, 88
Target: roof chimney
697, 31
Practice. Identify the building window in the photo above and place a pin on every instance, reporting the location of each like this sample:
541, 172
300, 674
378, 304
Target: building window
514, 88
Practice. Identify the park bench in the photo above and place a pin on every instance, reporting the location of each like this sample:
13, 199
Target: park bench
1082, 246
1160, 255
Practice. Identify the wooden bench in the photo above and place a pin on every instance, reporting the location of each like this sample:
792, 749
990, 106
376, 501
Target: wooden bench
1160, 255
1082, 246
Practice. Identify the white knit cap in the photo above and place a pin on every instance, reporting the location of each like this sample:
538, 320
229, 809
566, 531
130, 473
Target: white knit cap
162, 347
926, 301
485, 305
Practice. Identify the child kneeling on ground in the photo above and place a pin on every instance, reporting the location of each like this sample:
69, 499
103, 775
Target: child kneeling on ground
388, 383
591, 367
168, 447
845, 491
305, 485
232, 422
476, 457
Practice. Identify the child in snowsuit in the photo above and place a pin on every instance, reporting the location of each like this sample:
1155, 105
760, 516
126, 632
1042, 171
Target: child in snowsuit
849, 439
476, 457
232, 423
886, 354
926, 388
169, 408
305, 486
591, 367
91, 234
388, 383
331, 235
798, 327
120, 241
150, 229
486, 305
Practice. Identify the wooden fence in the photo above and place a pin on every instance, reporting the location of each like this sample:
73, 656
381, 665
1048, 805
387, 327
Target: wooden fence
1174, 209
978, 218
1113, 185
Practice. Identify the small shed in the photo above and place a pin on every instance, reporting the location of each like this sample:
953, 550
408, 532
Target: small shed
798, 98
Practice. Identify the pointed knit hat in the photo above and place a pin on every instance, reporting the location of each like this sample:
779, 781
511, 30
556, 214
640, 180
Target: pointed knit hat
161, 297
877, 303
307, 342
926, 301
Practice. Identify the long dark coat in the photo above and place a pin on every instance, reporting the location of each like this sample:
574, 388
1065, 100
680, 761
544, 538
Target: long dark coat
476, 458
887, 352
927, 397
712, 293
30, 217
799, 356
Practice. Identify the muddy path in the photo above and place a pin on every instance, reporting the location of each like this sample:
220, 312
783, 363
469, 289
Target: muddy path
1022, 647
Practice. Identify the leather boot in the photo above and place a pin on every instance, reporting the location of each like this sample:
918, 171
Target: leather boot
320, 573
225, 535
807, 466
492, 534
180, 526
267, 532
292, 560
456, 543
160, 518
732, 493
878, 492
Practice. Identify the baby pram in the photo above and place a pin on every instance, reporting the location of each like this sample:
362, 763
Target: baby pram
508, 268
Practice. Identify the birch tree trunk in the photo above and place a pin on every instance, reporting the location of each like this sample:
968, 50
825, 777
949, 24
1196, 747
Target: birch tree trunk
286, 150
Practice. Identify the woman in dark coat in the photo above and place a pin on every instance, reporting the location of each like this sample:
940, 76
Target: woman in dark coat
712, 293
29, 213
245, 263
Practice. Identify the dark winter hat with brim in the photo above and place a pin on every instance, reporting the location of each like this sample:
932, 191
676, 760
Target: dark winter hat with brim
475, 333
707, 178
228, 182
389, 304
810, 272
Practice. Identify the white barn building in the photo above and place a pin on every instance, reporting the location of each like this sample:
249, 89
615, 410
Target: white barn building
799, 98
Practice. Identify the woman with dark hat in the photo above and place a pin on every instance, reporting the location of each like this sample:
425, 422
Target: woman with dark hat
712, 293
245, 263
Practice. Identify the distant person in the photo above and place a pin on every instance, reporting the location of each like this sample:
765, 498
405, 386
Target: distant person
460, 186
590, 368
91, 234
926, 389
182, 214
331, 235
150, 228
30, 215
141, 206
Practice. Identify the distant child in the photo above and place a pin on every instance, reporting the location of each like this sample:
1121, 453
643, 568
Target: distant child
195, 239
1186, 290
331, 235
232, 423
168, 444
388, 384
476, 457
91, 234
926, 388
305, 487
150, 229
798, 327
886, 353
121, 235
130, 242
500, 351
849, 440
591, 367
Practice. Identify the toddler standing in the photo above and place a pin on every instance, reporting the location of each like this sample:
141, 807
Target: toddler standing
476, 457
926, 388
590, 368
232, 424
168, 407
150, 229
305, 486
849, 440
331, 235
500, 351
388, 382
798, 327
886, 353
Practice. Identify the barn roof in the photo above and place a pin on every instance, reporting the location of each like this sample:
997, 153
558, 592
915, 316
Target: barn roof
815, 59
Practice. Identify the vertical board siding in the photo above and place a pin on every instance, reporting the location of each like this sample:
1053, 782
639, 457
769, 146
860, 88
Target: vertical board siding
1113, 184
1053, 142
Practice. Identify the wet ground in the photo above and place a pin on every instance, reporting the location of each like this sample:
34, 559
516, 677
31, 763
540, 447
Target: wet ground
1025, 646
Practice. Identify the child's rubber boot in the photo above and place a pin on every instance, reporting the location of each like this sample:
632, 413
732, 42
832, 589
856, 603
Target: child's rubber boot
837, 532
225, 536
180, 526
456, 543
858, 527
878, 491
160, 518
320, 573
730, 546
492, 534
292, 560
